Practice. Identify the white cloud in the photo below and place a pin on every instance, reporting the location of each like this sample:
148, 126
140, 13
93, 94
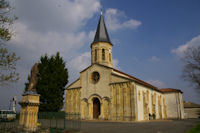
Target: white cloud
41, 30
49, 42
182, 48
156, 83
91, 35
62, 15
115, 20
115, 63
154, 59
49, 26
80, 62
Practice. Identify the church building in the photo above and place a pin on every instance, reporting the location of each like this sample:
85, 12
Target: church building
103, 92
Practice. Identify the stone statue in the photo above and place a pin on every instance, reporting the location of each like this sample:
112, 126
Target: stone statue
34, 78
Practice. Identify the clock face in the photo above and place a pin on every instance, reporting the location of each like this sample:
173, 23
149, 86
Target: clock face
95, 77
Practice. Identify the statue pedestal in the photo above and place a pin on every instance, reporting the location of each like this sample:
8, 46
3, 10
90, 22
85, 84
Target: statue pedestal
29, 111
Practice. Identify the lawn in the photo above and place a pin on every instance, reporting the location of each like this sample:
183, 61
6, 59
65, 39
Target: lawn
196, 129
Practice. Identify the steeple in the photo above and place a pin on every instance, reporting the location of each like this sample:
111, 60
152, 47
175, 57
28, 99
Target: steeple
101, 32
101, 46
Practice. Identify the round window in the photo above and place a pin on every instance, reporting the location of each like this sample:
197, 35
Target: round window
95, 77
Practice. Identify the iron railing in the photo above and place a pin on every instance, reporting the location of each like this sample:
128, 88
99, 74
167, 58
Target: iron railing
54, 122
59, 121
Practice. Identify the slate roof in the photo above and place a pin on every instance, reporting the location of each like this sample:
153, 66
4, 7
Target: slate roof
138, 80
101, 32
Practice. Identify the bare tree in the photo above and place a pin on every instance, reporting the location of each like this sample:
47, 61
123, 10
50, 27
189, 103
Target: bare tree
191, 71
7, 59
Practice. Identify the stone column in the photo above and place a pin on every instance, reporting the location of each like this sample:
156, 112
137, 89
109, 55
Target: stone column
90, 109
128, 102
78, 101
133, 101
29, 111
113, 102
67, 99
84, 109
73, 101
104, 109
121, 103
117, 101
125, 103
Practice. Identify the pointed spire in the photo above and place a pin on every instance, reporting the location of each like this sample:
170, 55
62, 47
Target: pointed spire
101, 32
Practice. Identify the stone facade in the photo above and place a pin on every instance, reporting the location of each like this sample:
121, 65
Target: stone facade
121, 97
174, 103
103, 92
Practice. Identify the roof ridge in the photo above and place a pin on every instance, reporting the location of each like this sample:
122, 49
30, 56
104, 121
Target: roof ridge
138, 80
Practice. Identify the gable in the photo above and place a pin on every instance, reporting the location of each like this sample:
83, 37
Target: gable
88, 84
95, 65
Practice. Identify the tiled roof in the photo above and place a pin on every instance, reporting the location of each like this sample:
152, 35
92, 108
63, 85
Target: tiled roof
191, 105
166, 90
138, 80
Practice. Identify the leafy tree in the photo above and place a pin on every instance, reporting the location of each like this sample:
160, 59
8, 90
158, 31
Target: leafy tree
191, 71
7, 60
52, 78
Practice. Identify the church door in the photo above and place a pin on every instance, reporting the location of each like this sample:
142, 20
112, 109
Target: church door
96, 108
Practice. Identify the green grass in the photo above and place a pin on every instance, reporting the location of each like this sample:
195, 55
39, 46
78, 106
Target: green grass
196, 129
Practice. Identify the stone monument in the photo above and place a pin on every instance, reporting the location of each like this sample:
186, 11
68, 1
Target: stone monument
30, 103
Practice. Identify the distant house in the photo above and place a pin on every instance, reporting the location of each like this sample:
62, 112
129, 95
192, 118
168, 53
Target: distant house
192, 110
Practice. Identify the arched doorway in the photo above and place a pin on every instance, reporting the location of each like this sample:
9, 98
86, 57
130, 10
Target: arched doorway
96, 108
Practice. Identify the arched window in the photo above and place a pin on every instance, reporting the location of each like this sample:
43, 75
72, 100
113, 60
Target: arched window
103, 54
109, 54
95, 55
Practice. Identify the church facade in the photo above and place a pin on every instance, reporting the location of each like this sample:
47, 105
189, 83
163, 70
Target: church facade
103, 92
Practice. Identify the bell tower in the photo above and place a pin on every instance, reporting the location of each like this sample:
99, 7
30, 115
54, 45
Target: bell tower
101, 47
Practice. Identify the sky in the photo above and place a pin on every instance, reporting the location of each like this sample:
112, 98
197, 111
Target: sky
148, 37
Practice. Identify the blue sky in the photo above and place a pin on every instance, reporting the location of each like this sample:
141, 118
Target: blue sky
148, 38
